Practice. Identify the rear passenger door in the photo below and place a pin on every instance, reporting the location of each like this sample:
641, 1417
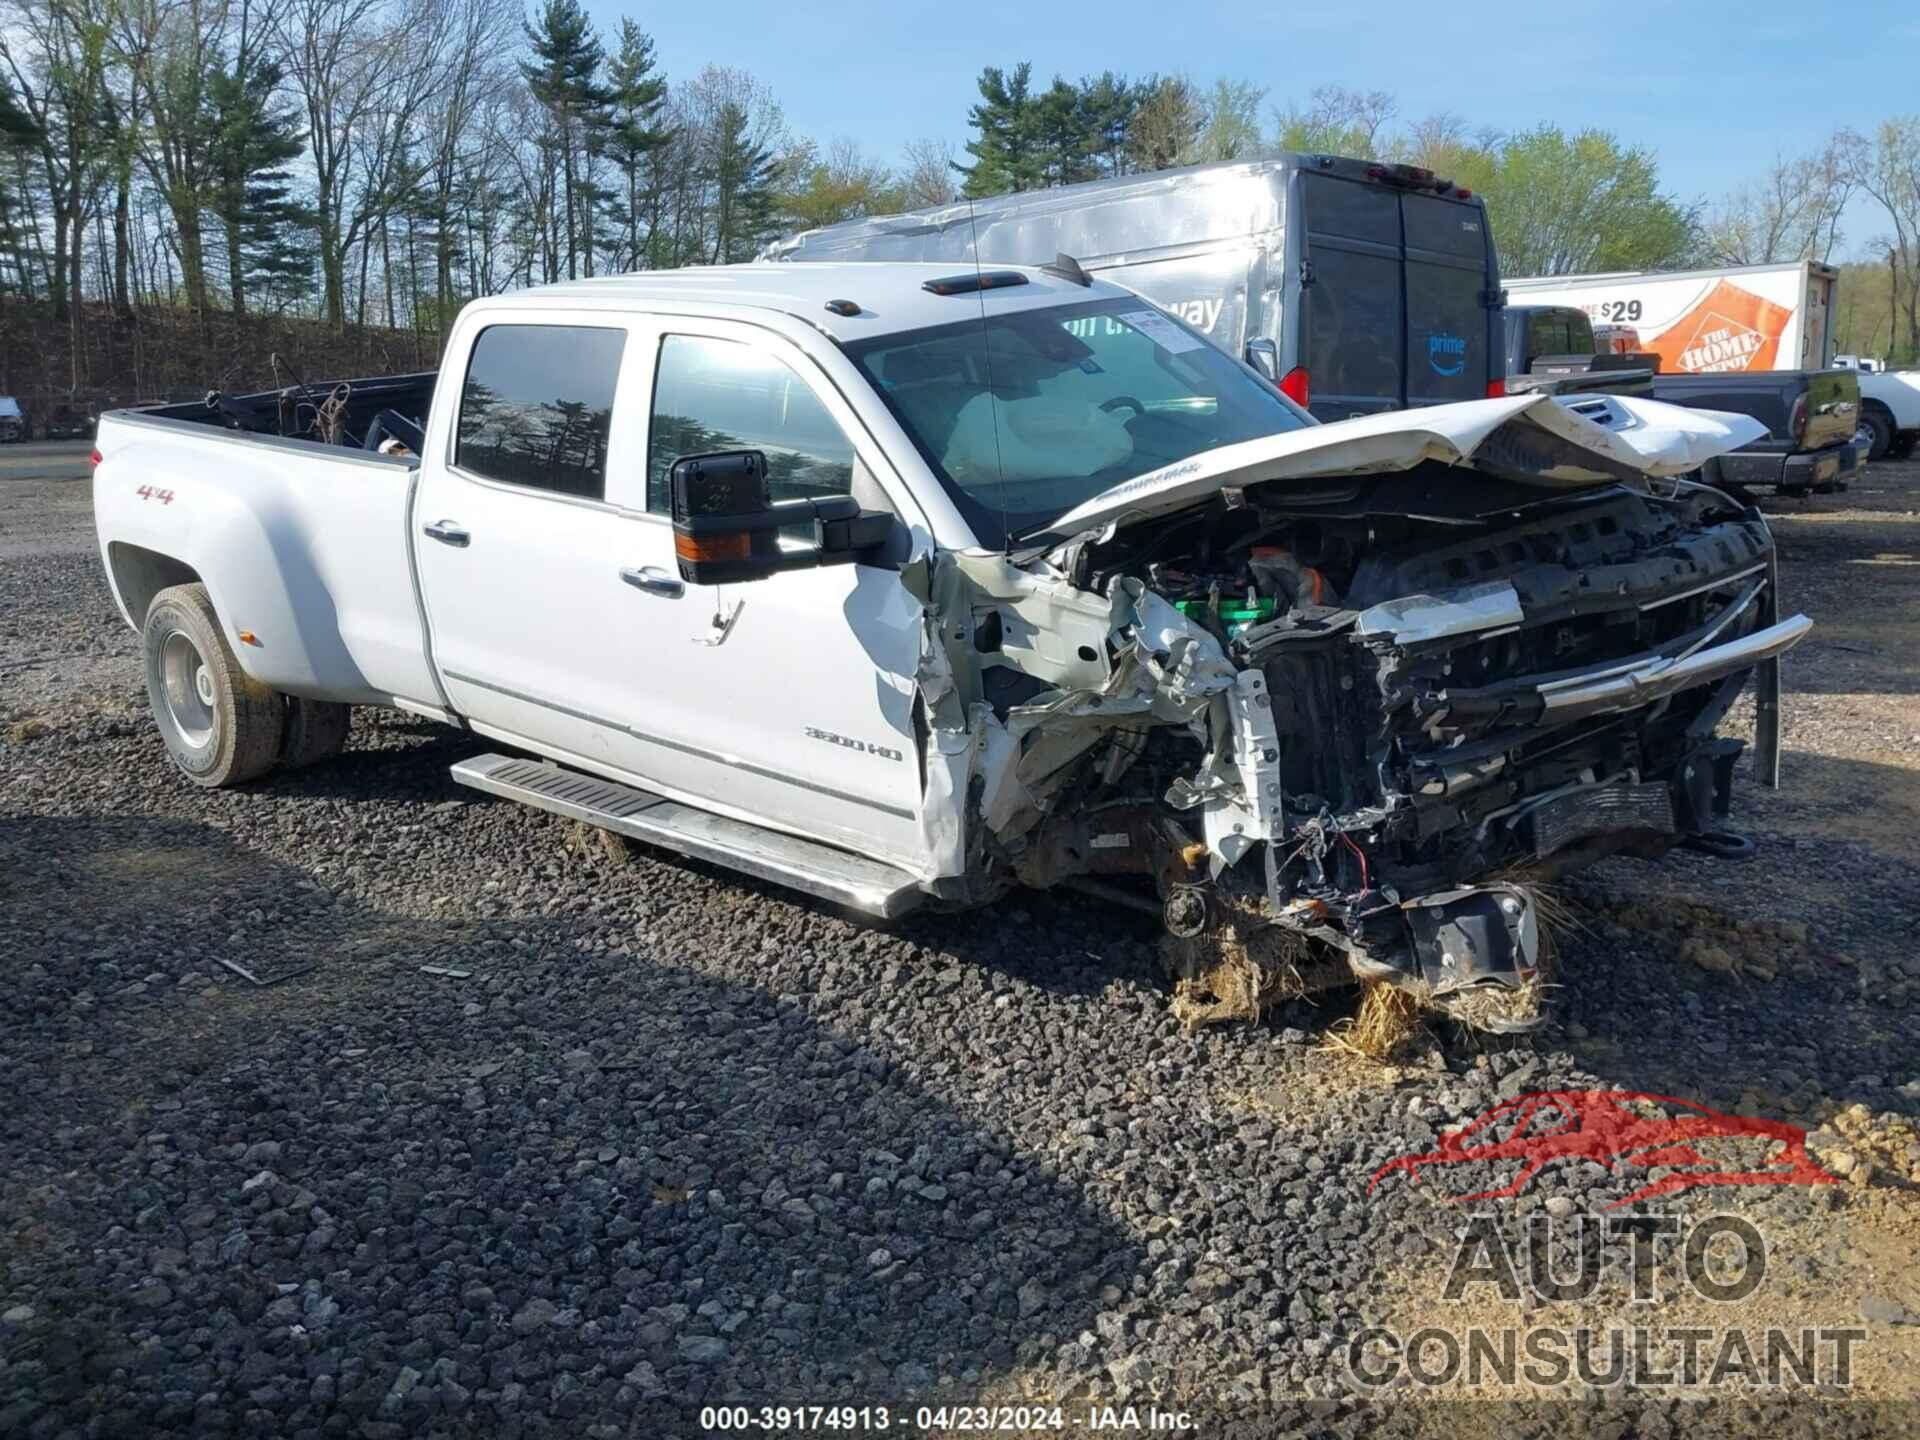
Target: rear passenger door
519, 547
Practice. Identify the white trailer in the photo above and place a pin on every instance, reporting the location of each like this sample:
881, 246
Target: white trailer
1703, 322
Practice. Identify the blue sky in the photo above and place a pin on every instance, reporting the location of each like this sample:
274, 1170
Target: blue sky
1714, 88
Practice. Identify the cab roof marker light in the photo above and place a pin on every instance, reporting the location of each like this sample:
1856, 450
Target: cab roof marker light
975, 282
843, 307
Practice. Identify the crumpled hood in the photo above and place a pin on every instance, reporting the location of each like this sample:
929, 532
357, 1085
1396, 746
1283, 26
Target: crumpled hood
1565, 441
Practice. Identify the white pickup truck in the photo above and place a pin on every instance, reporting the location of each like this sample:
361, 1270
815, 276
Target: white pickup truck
1889, 413
895, 584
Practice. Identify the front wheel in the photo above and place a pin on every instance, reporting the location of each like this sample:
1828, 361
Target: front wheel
221, 726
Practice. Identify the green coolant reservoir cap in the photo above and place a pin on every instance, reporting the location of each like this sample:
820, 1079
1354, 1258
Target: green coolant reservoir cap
1235, 615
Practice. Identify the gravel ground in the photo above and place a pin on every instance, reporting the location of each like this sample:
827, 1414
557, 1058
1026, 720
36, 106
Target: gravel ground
670, 1138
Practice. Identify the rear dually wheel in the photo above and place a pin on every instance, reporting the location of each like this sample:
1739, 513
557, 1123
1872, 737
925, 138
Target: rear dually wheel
221, 726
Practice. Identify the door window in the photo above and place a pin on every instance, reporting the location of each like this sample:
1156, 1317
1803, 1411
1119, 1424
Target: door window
1447, 226
1353, 210
537, 406
1548, 333
712, 395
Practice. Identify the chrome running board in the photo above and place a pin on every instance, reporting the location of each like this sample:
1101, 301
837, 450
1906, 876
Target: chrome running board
820, 870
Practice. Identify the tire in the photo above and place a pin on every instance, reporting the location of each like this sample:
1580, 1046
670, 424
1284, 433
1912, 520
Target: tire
1875, 431
221, 726
316, 730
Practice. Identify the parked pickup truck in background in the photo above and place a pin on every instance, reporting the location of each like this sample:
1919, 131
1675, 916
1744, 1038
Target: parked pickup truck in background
1554, 350
896, 582
1810, 415
1889, 413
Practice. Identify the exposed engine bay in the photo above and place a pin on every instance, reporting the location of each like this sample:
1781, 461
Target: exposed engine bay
1339, 730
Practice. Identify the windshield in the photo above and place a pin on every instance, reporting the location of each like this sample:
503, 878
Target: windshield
1082, 398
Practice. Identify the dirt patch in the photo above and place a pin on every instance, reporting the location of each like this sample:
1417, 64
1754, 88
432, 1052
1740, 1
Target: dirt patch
1867, 1149
1702, 935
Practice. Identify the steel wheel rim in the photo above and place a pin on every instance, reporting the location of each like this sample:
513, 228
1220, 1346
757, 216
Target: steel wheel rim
1863, 434
187, 686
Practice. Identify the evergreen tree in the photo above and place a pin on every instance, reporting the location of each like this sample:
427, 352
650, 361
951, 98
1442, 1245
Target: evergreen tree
1108, 101
1063, 133
638, 93
743, 176
564, 77
251, 138
1006, 151
1165, 129
17, 131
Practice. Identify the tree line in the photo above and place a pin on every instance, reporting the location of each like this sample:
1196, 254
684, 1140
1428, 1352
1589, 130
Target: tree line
379, 162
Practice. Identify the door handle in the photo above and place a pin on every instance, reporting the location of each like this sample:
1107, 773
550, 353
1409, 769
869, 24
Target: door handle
654, 580
447, 532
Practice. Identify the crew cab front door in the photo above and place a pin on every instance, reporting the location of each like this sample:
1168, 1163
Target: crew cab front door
788, 700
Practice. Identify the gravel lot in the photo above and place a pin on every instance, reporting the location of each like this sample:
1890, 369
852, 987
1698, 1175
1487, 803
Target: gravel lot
673, 1138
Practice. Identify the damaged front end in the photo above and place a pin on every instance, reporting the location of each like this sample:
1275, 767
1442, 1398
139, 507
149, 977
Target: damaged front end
1335, 725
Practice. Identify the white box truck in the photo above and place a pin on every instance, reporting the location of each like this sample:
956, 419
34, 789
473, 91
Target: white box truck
1707, 322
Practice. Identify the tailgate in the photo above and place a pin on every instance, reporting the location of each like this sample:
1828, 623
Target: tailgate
1833, 408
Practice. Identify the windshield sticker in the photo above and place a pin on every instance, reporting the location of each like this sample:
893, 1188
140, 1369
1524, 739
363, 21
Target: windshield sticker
1162, 331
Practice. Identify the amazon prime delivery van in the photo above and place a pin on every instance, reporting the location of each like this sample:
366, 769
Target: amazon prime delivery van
1357, 286
1709, 322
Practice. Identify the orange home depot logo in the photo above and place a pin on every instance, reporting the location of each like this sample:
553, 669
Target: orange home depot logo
1728, 329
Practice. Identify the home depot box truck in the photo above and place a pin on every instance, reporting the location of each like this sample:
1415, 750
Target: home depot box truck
1708, 322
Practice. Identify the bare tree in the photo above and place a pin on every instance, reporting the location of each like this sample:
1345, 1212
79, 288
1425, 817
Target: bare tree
468, 73
362, 76
1232, 128
1888, 170
928, 177
1337, 121
56, 58
1790, 213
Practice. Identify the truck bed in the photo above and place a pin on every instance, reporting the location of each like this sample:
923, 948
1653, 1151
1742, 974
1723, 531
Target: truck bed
332, 412
302, 542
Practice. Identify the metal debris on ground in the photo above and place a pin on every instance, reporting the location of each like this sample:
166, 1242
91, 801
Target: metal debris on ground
252, 979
